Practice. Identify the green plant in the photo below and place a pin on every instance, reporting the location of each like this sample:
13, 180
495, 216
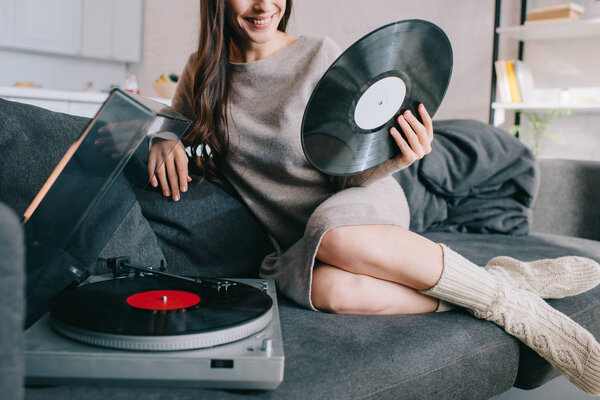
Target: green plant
538, 125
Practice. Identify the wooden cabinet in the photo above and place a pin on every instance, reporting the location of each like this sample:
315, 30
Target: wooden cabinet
101, 29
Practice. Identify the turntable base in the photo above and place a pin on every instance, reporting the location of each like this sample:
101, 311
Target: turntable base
256, 362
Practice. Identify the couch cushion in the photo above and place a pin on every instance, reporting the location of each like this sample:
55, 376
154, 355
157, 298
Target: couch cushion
431, 356
209, 232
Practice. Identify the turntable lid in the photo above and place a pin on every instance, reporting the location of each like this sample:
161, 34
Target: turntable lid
90, 192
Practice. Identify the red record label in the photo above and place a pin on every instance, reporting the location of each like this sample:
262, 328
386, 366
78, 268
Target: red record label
163, 300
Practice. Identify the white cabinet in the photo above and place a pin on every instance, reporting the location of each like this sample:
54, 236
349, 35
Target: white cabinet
7, 21
96, 28
112, 29
49, 26
127, 29
102, 29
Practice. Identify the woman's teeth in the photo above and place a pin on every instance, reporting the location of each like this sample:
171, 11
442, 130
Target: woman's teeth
260, 21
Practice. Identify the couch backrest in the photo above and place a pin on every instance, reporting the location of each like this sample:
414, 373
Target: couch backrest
568, 201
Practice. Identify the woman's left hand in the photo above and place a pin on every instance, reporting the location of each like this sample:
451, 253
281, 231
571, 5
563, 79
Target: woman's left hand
418, 136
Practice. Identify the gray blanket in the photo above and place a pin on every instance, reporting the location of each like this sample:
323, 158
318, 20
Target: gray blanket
476, 179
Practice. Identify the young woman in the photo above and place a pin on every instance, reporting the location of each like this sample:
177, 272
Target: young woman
342, 245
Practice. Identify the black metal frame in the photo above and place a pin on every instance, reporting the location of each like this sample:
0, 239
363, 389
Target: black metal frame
497, 13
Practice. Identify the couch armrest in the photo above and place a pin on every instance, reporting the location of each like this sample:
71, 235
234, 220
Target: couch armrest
568, 200
12, 306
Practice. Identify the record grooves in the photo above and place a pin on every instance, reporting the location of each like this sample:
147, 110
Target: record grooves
199, 315
346, 123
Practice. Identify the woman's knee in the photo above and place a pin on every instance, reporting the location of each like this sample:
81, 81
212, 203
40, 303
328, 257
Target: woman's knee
334, 290
333, 243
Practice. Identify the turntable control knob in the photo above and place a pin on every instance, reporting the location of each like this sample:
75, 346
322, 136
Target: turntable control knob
267, 346
164, 299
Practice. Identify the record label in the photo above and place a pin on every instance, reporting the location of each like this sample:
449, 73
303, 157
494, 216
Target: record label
163, 300
380, 102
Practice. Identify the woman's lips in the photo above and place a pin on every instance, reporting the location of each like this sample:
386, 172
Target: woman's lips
260, 22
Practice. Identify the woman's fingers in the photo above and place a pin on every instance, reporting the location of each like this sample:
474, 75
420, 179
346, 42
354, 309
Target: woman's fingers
427, 122
171, 166
406, 156
411, 136
181, 163
173, 177
421, 133
162, 178
418, 136
151, 167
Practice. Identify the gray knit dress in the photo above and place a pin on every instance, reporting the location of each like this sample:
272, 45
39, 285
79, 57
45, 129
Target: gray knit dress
296, 203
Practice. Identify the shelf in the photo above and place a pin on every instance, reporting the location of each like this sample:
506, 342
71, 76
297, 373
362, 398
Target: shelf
553, 30
575, 107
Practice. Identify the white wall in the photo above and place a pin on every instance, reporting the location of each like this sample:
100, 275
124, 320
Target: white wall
170, 36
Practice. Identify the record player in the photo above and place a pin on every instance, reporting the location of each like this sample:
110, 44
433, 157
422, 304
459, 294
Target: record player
138, 324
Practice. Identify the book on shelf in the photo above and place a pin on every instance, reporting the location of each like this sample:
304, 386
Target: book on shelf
502, 86
524, 81
557, 13
514, 81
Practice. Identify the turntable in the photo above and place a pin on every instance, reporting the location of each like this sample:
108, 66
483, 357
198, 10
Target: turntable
139, 324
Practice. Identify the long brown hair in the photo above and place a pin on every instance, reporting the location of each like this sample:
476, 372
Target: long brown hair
211, 84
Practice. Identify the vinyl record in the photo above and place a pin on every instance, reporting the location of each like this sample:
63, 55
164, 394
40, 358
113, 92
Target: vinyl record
346, 123
149, 313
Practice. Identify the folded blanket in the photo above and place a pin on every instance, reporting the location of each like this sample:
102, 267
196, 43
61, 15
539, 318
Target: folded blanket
477, 178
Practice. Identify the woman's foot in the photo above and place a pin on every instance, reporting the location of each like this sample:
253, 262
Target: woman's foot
548, 278
566, 345
554, 336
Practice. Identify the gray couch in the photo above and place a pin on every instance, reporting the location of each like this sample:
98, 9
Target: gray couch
439, 356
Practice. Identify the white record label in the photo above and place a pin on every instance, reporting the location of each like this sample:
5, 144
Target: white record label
379, 103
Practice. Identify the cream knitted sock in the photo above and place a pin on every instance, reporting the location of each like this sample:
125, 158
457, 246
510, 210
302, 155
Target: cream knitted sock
569, 347
444, 306
549, 278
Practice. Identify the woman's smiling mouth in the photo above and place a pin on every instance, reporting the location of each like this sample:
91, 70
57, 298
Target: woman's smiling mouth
260, 21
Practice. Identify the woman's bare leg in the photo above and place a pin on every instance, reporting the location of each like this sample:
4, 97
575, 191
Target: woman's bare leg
343, 292
386, 252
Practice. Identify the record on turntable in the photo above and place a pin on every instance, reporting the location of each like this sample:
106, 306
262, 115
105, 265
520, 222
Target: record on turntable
255, 361
346, 123
157, 314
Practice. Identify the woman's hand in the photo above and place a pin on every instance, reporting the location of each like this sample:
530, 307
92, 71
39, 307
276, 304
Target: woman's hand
418, 136
172, 171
